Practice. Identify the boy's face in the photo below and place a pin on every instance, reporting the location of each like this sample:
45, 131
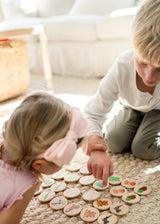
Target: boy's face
148, 73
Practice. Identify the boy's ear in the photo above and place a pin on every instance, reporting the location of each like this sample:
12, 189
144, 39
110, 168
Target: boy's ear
39, 165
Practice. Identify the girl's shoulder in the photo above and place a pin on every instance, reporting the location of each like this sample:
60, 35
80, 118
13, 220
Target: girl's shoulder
14, 182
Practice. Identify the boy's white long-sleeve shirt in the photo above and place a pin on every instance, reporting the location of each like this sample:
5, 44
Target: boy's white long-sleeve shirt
119, 83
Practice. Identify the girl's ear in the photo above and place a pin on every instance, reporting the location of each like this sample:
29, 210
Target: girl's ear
39, 165
45, 167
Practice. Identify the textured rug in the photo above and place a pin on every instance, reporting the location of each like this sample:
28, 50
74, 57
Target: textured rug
147, 211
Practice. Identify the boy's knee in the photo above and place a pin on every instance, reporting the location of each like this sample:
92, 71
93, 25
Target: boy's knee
113, 143
145, 151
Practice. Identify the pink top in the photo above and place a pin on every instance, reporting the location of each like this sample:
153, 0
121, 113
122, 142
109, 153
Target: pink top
13, 183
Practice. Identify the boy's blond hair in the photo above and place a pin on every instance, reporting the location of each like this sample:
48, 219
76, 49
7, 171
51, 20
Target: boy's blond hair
146, 32
40, 120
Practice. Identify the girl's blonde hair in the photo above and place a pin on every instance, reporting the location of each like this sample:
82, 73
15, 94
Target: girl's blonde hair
40, 120
146, 32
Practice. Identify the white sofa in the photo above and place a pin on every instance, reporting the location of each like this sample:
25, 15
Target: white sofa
84, 36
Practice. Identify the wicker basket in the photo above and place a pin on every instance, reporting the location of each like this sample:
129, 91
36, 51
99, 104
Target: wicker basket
14, 69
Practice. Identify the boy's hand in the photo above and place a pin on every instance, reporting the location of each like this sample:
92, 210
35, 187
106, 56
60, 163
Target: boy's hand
100, 165
96, 143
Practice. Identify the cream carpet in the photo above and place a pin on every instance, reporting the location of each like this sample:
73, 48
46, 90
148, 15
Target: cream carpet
147, 211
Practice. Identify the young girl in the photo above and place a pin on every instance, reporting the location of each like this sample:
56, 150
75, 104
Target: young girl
134, 79
41, 136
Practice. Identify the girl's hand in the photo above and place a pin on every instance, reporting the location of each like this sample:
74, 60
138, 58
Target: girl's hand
96, 143
100, 165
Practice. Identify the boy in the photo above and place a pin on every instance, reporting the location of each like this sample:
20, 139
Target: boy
134, 79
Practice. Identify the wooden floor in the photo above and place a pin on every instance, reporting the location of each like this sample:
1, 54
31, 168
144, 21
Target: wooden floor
66, 84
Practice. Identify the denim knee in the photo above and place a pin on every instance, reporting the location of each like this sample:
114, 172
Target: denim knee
114, 143
142, 150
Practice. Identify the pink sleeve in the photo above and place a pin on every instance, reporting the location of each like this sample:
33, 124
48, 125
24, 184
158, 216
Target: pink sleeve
23, 183
14, 183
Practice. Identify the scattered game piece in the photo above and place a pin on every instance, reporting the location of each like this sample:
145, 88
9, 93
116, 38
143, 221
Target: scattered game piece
38, 191
102, 203
107, 218
58, 175
128, 183
58, 203
46, 195
142, 189
98, 185
59, 186
118, 191
119, 209
47, 182
87, 180
71, 177
84, 170
89, 214
91, 195
72, 209
115, 179
74, 167
131, 198
72, 192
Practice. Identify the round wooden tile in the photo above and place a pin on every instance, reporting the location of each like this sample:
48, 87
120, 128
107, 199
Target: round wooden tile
59, 186
102, 203
37, 192
89, 214
115, 179
131, 198
142, 189
74, 167
72, 177
46, 195
98, 185
84, 170
118, 191
58, 203
108, 218
128, 183
119, 208
87, 180
47, 182
91, 195
58, 175
72, 209
72, 192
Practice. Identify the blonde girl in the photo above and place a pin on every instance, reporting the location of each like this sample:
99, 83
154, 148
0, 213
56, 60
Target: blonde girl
40, 137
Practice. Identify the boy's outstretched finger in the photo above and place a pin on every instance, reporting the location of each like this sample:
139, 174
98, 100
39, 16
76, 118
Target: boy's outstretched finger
105, 176
99, 173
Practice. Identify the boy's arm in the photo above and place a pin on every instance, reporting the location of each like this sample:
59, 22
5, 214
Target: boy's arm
100, 165
15, 213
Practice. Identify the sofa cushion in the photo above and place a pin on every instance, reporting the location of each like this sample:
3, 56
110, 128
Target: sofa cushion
117, 25
18, 9
46, 8
20, 23
66, 27
99, 6
72, 27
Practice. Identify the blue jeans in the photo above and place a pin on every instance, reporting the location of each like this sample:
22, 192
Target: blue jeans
135, 131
